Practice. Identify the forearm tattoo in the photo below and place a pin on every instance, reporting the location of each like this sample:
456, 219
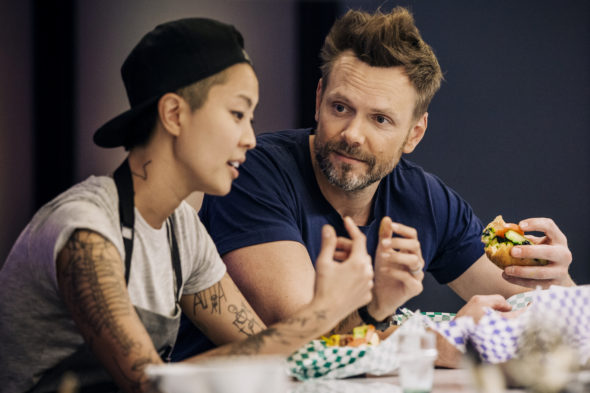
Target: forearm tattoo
245, 319
288, 333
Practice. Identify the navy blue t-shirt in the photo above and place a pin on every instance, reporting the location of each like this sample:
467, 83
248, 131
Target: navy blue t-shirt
276, 197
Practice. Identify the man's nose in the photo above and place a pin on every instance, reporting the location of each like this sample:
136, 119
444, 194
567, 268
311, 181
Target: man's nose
353, 133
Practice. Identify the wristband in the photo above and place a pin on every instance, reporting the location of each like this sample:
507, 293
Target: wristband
369, 320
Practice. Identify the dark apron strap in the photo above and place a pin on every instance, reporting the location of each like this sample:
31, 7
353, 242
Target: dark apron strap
124, 183
175, 254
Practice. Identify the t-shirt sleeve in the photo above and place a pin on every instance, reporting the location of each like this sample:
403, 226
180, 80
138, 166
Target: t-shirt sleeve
458, 230
259, 208
58, 225
204, 265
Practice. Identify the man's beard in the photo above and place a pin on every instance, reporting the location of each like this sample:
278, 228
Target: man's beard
342, 176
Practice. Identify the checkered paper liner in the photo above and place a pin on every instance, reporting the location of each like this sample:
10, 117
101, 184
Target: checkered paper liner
565, 310
435, 316
316, 360
495, 337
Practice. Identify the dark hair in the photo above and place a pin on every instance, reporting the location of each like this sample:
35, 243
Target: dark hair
195, 94
385, 40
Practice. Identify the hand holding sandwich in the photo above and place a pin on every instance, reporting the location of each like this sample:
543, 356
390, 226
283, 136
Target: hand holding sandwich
529, 260
551, 247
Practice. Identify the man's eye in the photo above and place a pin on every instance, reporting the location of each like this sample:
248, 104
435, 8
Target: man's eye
238, 115
381, 119
339, 108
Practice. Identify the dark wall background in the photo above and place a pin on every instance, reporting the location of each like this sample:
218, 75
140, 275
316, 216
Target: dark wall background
508, 129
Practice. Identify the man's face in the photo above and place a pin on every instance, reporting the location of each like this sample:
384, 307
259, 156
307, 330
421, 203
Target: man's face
216, 136
365, 122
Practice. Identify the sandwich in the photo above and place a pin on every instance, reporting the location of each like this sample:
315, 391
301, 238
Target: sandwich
361, 335
499, 237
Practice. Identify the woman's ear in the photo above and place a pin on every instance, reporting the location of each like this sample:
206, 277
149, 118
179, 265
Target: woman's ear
170, 106
416, 134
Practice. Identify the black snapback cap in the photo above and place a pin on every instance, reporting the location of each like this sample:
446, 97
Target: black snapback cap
173, 55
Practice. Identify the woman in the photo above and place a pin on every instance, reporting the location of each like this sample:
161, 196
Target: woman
97, 281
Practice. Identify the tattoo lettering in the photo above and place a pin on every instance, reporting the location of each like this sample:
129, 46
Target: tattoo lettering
94, 287
144, 175
244, 320
210, 297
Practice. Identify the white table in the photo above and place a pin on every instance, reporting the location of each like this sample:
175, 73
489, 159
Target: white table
445, 381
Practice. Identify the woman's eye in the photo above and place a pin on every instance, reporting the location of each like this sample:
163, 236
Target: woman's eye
238, 115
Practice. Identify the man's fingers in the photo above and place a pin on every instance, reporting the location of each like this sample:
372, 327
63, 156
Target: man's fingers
400, 272
340, 256
343, 244
528, 283
406, 245
542, 251
408, 262
513, 314
359, 240
545, 225
536, 239
328, 244
547, 272
496, 302
385, 229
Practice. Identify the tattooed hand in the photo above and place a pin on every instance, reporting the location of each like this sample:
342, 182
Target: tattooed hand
346, 285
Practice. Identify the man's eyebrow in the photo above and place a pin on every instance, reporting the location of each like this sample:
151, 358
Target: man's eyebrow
388, 112
339, 97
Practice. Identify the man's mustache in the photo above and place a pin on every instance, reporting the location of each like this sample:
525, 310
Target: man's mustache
341, 147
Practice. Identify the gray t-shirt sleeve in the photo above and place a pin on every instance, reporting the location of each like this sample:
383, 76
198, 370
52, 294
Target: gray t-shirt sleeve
59, 225
203, 261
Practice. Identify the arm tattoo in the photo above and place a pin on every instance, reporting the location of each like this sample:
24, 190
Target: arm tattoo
94, 286
253, 344
144, 175
210, 297
297, 327
244, 319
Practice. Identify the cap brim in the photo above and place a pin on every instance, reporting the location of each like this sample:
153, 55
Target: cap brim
114, 132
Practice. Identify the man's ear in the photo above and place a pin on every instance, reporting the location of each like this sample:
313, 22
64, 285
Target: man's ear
416, 134
170, 107
318, 99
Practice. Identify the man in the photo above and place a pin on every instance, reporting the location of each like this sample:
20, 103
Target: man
96, 282
378, 78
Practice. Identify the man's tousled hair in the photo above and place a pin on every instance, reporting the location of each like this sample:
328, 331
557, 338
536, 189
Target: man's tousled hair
385, 40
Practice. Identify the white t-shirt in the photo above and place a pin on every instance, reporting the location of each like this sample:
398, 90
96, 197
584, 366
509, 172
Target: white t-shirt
36, 329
